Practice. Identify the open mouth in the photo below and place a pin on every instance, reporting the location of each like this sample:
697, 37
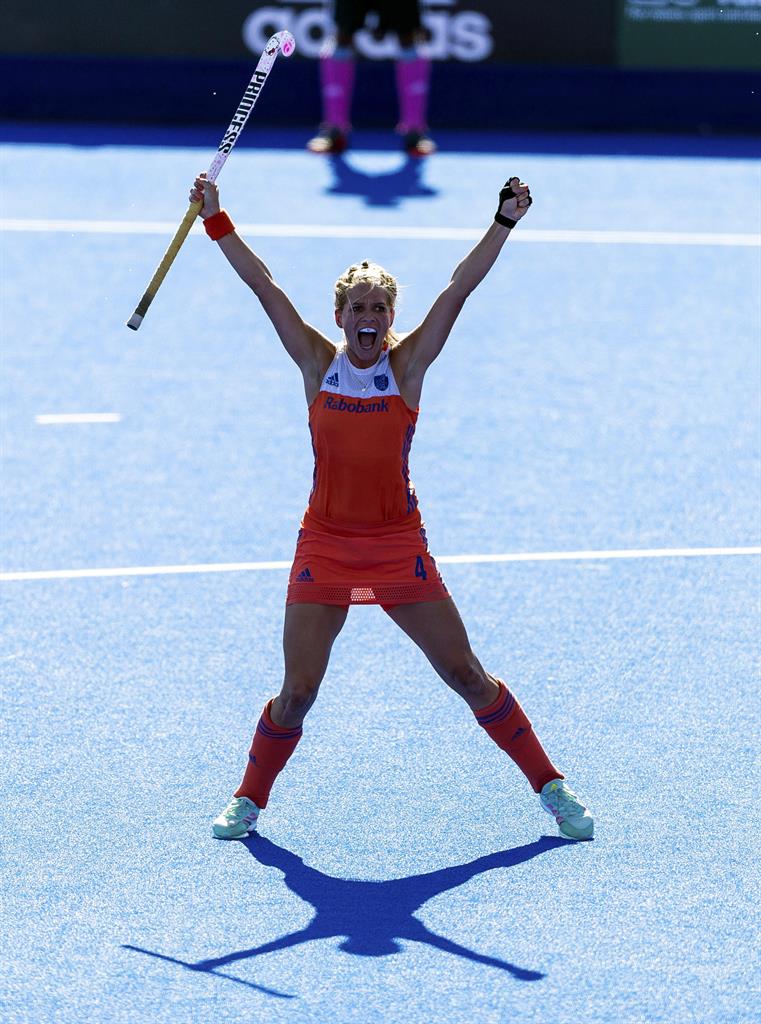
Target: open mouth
367, 336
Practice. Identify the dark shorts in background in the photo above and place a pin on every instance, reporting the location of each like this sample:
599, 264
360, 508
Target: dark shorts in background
400, 16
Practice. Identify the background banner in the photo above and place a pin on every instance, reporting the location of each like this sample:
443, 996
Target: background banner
590, 65
499, 31
468, 31
720, 34
690, 34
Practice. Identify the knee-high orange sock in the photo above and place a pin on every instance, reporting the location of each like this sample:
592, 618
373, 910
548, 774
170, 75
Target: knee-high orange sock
271, 747
506, 723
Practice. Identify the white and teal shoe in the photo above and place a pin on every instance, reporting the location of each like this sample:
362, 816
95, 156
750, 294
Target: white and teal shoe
237, 820
574, 820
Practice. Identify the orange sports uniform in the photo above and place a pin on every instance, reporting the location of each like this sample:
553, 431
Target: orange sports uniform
362, 539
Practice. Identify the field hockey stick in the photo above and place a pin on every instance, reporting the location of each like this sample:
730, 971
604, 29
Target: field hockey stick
281, 42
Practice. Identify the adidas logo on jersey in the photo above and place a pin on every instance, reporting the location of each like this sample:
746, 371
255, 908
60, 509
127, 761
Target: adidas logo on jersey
305, 576
332, 380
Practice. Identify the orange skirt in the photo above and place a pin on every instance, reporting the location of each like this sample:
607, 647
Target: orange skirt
344, 564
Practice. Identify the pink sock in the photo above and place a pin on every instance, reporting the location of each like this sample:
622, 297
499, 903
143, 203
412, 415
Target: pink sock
337, 80
412, 78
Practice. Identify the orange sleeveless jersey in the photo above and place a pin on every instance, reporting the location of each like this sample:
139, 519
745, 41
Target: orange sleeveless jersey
362, 538
361, 437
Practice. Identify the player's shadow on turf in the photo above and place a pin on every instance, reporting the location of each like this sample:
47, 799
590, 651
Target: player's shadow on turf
384, 189
371, 917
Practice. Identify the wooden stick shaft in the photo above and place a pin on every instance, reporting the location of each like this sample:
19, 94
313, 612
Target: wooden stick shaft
161, 270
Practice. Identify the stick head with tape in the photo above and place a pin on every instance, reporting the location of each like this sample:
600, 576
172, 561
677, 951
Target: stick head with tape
282, 41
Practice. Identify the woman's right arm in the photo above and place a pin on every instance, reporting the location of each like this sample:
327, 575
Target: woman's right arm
309, 349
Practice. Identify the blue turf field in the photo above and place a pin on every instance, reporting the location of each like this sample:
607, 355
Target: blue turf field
595, 396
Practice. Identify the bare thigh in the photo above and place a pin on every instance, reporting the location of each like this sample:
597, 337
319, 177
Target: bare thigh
309, 632
439, 632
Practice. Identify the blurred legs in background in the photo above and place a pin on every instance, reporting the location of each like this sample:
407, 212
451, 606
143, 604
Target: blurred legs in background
337, 88
412, 75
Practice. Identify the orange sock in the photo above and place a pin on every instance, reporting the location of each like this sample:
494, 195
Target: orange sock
271, 747
506, 723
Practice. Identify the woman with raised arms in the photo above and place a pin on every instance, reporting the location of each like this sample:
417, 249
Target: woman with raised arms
362, 539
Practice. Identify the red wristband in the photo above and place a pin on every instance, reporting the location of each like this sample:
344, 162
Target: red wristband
218, 225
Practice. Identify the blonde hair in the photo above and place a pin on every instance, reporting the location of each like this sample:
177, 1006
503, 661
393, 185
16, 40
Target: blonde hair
373, 275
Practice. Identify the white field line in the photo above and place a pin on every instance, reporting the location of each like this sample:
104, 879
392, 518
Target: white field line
55, 418
379, 231
539, 556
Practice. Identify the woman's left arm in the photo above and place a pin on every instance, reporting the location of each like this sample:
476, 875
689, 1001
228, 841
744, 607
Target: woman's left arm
421, 346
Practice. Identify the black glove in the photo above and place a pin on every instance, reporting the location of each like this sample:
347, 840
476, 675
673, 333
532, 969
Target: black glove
506, 192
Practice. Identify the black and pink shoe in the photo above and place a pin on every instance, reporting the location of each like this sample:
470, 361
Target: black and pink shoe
418, 144
328, 140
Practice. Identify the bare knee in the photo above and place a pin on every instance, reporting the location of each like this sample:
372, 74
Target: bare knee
294, 701
468, 678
